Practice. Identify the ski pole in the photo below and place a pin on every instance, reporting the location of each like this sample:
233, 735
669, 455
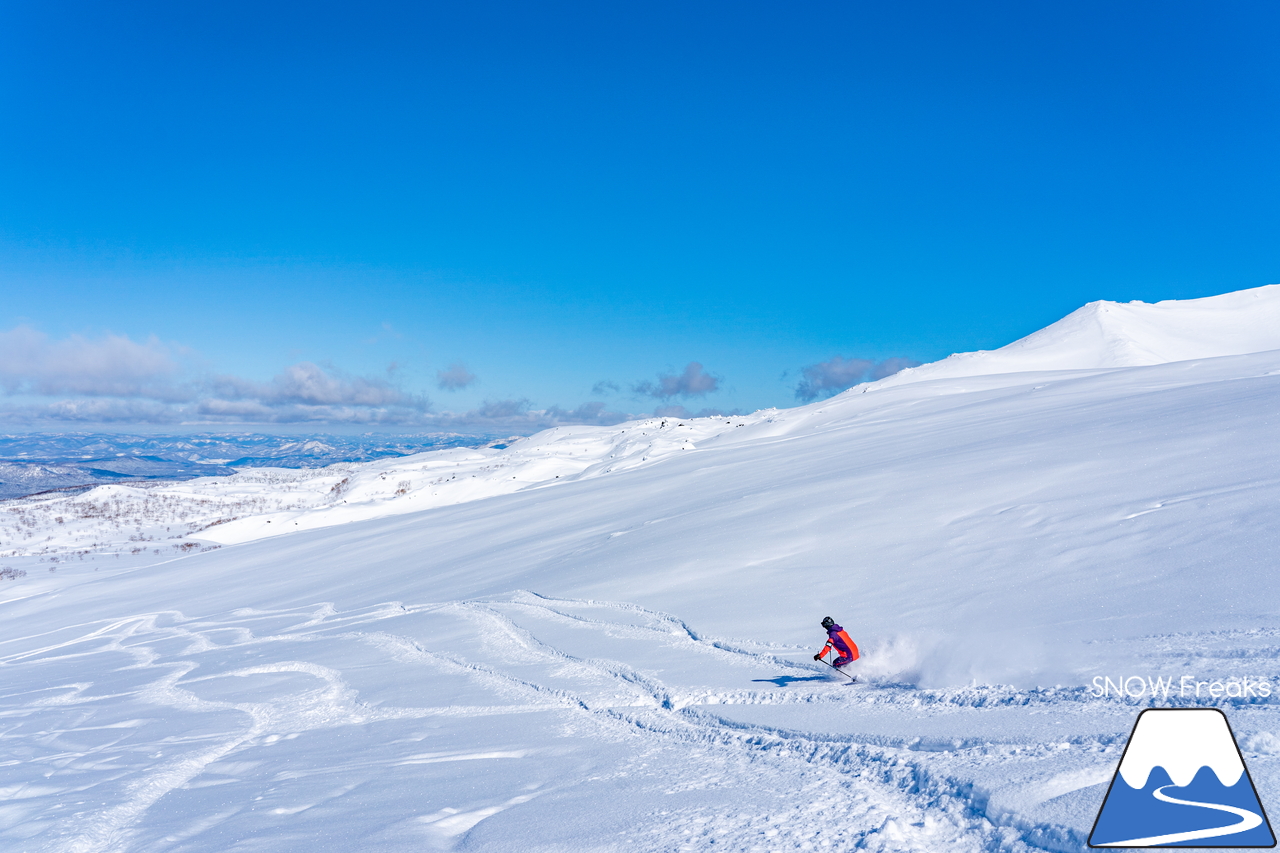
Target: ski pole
842, 672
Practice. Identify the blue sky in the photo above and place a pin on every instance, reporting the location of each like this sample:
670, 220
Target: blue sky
399, 215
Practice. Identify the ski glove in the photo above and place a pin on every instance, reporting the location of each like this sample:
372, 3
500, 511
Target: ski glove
817, 656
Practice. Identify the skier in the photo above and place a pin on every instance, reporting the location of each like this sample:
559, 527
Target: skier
846, 650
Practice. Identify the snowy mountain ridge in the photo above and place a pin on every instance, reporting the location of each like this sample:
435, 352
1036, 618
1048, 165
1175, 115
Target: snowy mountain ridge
1105, 334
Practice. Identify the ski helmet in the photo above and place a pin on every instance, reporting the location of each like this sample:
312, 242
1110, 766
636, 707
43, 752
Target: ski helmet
827, 622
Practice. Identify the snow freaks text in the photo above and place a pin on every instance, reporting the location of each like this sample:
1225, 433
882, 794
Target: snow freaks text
1187, 687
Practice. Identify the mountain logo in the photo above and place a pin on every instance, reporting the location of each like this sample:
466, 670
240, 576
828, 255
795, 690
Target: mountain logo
1182, 783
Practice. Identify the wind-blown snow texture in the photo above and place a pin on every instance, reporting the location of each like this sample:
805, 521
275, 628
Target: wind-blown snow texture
602, 638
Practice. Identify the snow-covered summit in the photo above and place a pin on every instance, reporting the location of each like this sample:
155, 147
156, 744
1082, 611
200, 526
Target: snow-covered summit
1115, 334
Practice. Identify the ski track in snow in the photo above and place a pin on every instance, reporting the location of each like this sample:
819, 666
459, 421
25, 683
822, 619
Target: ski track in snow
334, 704
518, 651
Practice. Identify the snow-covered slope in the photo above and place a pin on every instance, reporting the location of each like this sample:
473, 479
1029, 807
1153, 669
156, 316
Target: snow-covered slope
260, 502
1114, 334
602, 638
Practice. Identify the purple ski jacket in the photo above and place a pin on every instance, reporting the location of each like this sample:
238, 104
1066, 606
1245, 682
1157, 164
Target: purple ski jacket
840, 641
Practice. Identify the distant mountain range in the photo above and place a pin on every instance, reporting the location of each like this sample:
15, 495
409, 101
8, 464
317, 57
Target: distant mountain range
35, 463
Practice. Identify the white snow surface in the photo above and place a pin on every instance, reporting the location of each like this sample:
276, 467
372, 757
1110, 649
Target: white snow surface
1116, 334
601, 638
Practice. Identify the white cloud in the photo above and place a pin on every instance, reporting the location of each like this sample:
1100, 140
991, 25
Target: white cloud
587, 413
98, 411
455, 378
308, 384
112, 366
682, 412
837, 374
116, 380
692, 382
502, 408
